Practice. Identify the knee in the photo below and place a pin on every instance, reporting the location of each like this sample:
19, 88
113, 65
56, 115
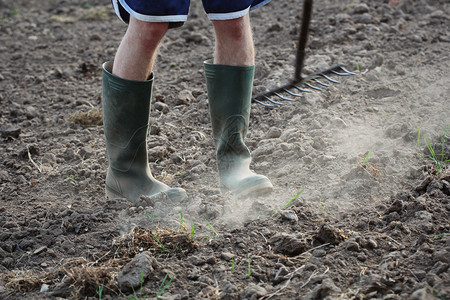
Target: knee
235, 29
147, 34
155, 30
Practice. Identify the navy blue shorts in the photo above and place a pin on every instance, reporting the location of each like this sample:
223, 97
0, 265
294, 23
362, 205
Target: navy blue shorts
177, 10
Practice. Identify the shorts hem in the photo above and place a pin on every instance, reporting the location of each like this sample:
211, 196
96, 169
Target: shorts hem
150, 18
259, 4
228, 16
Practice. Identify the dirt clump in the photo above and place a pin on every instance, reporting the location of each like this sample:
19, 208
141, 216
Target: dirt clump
360, 168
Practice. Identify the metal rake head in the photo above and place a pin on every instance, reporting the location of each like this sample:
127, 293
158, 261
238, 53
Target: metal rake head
292, 91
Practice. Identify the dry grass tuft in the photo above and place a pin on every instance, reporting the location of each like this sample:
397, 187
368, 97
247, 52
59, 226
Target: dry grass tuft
161, 242
79, 278
23, 281
90, 118
84, 277
371, 169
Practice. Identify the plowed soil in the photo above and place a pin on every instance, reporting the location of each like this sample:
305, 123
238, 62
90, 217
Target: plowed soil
361, 204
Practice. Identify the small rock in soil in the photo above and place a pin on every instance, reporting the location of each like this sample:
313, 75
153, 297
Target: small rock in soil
330, 235
184, 98
420, 294
11, 131
229, 292
8, 262
140, 267
361, 8
273, 133
288, 244
44, 288
439, 267
227, 256
62, 289
442, 255
326, 288
275, 27
351, 246
253, 291
288, 215
319, 253
163, 107
197, 261
397, 206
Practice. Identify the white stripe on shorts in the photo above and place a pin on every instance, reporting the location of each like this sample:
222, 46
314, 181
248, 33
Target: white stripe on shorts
260, 4
116, 8
147, 18
229, 16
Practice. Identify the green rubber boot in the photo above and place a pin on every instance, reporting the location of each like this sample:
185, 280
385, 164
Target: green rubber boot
126, 110
229, 95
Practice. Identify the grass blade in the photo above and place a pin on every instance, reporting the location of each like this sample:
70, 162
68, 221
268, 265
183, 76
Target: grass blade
159, 242
292, 199
212, 229
163, 287
418, 136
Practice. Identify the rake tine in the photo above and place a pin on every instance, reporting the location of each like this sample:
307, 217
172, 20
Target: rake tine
282, 97
293, 94
328, 78
339, 73
298, 79
273, 101
347, 72
262, 103
302, 90
313, 87
321, 83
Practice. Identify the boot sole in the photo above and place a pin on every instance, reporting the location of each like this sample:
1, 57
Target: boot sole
172, 195
258, 188
111, 194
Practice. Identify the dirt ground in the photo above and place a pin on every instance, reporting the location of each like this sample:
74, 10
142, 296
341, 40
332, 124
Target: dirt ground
361, 205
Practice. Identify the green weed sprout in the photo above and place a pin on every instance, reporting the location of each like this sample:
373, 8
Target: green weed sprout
439, 159
292, 199
135, 297
439, 235
163, 286
72, 178
212, 229
438, 293
249, 269
232, 264
321, 205
367, 157
150, 216
99, 291
160, 243
192, 231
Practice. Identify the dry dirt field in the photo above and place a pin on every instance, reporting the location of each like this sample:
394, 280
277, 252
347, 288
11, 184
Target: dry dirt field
361, 203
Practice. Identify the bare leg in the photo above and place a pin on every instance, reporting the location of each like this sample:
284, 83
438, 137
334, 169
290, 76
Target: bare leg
229, 82
137, 51
126, 108
234, 42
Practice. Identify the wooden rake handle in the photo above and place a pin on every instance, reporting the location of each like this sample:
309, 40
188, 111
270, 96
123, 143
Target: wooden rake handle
303, 38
